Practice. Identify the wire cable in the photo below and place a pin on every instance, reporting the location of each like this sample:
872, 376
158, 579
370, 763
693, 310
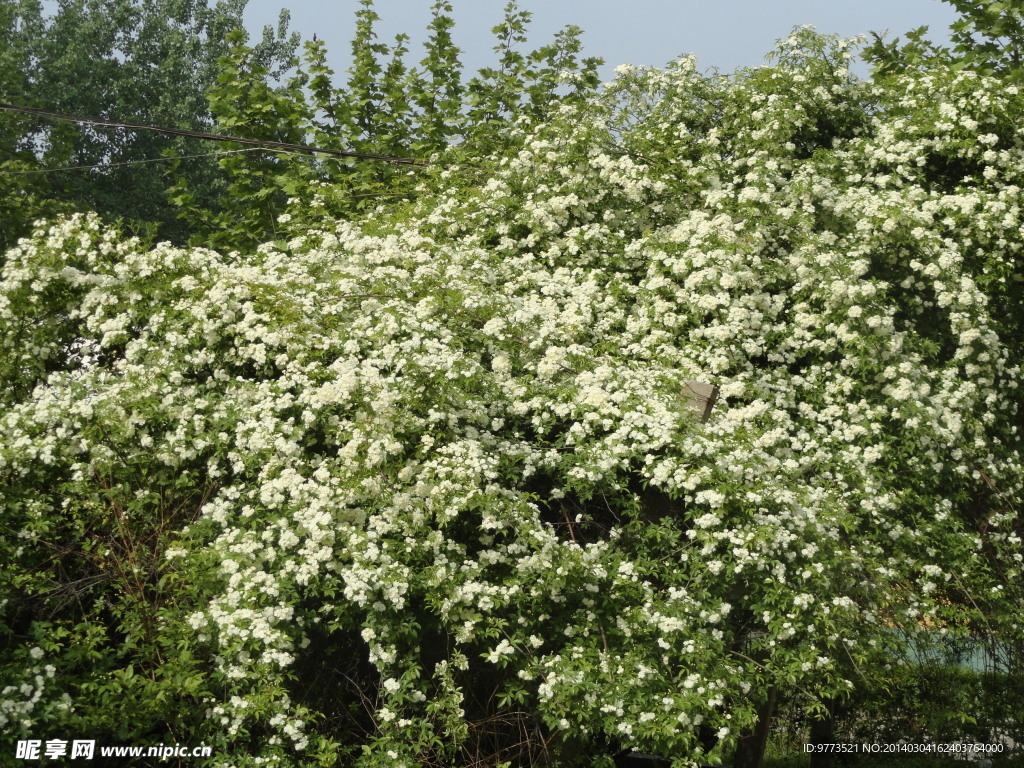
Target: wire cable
209, 136
140, 162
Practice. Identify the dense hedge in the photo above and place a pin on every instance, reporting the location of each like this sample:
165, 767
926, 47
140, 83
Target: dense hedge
424, 488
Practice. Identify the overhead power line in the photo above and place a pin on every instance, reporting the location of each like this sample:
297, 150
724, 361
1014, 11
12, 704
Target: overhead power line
208, 136
132, 162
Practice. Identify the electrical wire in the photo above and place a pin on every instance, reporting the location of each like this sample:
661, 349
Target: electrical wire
208, 136
140, 162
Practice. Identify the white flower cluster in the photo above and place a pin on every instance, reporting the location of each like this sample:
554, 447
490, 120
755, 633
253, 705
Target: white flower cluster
19, 702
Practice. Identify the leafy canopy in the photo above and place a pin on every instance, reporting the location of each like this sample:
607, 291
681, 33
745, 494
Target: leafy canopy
146, 61
384, 107
988, 36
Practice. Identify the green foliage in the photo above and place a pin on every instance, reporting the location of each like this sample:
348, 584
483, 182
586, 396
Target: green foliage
244, 102
929, 686
147, 61
23, 193
384, 108
987, 37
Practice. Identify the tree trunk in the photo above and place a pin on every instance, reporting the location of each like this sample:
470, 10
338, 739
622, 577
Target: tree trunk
823, 731
750, 750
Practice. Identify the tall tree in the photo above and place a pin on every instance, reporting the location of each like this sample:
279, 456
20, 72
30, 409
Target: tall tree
22, 188
127, 60
988, 36
383, 107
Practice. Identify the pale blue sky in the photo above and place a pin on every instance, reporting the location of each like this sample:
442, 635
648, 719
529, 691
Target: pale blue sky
722, 33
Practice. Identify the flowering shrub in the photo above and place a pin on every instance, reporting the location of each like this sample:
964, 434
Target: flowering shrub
425, 488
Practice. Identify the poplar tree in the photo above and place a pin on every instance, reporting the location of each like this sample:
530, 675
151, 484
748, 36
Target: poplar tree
146, 61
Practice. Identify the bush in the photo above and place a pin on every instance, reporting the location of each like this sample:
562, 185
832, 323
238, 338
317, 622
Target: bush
426, 488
